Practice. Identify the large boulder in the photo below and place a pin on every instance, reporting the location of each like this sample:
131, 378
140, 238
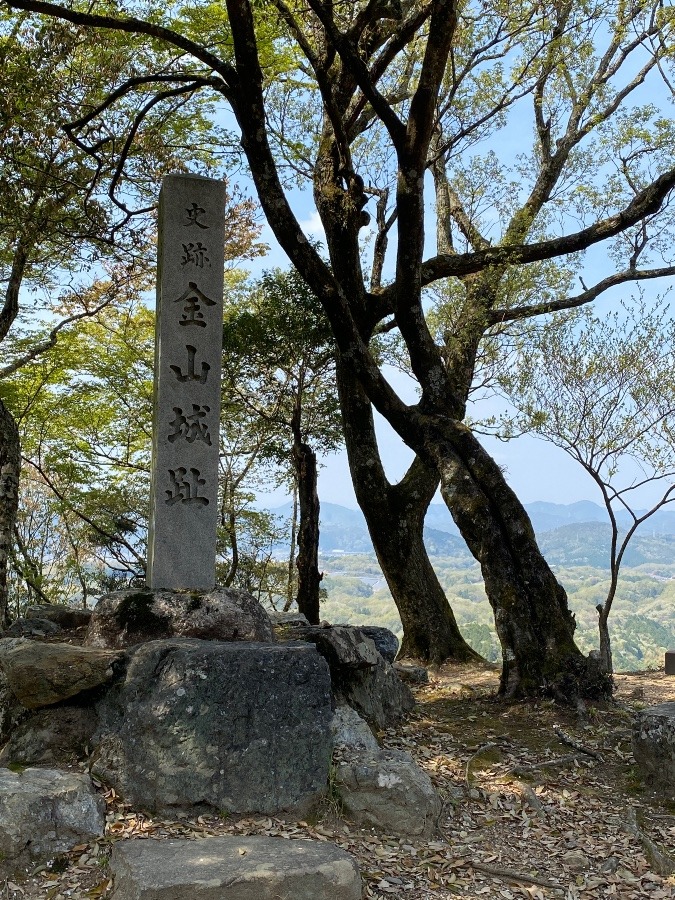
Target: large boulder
238, 727
44, 812
654, 746
233, 868
360, 676
387, 789
40, 674
126, 618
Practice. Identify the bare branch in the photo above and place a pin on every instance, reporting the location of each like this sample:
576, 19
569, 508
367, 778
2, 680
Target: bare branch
497, 316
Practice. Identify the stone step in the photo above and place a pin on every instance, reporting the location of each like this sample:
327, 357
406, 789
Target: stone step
233, 868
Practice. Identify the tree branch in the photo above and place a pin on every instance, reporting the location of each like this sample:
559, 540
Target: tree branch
359, 70
647, 202
50, 341
131, 25
498, 316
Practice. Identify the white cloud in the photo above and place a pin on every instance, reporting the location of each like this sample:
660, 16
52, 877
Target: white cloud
312, 226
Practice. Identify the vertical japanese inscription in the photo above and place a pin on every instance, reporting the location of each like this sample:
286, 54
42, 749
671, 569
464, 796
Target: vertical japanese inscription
184, 508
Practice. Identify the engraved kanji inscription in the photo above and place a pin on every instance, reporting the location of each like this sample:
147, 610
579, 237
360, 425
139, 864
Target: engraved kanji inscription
195, 253
194, 214
190, 374
191, 427
193, 299
185, 485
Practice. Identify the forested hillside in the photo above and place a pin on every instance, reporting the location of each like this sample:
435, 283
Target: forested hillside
643, 619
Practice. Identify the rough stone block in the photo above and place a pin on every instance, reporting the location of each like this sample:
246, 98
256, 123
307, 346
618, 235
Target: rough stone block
350, 730
670, 662
388, 790
233, 868
360, 676
242, 727
44, 812
65, 616
386, 642
410, 673
126, 618
32, 628
41, 674
654, 746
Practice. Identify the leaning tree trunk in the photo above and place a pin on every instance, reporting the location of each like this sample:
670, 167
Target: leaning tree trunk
534, 624
10, 462
395, 518
309, 576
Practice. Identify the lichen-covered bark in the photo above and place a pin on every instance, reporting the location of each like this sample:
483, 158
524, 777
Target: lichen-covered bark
395, 518
309, 576
534, 623
10, 461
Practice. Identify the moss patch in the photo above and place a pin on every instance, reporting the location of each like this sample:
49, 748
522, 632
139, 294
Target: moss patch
135, 613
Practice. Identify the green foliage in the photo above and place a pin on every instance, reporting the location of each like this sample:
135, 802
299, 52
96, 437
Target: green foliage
278, 361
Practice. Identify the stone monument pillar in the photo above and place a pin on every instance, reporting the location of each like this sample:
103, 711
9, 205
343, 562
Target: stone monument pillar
188, 347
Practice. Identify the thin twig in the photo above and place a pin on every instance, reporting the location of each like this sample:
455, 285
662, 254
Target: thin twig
556, 762
515, 877
481, 750
532, 799
572, 742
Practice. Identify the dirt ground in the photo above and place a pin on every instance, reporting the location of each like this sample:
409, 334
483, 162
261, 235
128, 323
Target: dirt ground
527, 813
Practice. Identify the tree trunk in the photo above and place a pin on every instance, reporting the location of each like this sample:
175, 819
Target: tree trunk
309, 576
606, 663
290, 587
534, 624
10, 463
395, 518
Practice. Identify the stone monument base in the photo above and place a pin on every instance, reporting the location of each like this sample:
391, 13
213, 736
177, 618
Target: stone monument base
227, 727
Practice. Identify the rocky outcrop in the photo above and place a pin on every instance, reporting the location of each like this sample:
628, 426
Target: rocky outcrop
239, 868
44, 812
388, 790
126, 618
351, 731
654, 746
386, 642
41, 674
361, 678
241, 727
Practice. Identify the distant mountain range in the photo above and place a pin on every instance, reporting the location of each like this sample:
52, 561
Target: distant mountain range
573, 534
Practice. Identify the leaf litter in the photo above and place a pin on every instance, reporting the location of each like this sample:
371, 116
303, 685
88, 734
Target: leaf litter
523, 817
